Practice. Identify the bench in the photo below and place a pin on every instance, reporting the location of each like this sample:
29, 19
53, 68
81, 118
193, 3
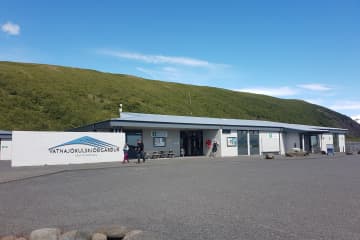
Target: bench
160, 154
153, 155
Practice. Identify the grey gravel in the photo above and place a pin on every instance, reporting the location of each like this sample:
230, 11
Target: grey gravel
230, 198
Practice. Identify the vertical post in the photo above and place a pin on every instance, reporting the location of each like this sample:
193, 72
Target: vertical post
248, 142
303, 142
281, 143
120, 109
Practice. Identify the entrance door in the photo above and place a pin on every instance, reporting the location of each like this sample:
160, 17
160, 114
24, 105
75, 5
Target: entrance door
192, 142
314, 143
254, 142
132, 136
336, 142
242, 143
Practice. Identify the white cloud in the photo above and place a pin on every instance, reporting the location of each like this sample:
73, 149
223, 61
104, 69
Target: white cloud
315, 87
276, 92
346, 105
161, 59
356, 118
316, 101
168, 73
11, 28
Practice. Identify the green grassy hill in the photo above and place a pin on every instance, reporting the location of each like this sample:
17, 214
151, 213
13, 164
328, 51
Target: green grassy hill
47, 97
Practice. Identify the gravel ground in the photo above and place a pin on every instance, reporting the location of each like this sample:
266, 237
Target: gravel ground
311, 198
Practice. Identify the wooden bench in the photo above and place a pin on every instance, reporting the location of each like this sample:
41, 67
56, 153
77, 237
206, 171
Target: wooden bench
171, 154
160, 154
153, 155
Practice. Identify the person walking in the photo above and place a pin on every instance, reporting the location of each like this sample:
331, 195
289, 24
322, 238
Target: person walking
214, 149
140, 151
126, 153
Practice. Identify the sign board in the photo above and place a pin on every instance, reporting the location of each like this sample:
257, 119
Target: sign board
231, 141
158, 133
47, 148
5, 149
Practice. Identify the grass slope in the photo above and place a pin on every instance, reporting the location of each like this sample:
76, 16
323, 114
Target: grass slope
47, 97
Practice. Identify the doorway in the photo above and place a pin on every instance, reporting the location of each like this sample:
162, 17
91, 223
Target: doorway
248, 142
132, 136
242, 142
336, 142
312, 143
254, 142
192, 142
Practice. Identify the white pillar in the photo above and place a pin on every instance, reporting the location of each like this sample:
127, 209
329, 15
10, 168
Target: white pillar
281, 143
303, 142
248, 141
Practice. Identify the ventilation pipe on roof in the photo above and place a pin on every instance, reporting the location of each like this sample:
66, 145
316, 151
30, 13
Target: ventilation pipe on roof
120, 109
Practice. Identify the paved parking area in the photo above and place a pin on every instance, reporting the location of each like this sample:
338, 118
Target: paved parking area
311, 198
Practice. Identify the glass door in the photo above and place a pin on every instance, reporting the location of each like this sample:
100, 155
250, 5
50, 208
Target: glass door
336, 142
242, 143
254, 142
132, 136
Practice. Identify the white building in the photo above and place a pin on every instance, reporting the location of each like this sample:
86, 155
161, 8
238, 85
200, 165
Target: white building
234, 136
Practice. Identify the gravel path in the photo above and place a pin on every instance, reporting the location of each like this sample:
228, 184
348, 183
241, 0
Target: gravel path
313, 198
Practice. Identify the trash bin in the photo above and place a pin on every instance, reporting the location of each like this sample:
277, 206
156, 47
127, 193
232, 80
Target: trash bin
330, 149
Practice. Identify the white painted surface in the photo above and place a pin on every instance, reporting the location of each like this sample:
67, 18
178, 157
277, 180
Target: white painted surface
5, 149
248, 142
228, 151
342, 142
40, 148
282, 143
326, 139
172, 140
269, 142
212, 135
291, 140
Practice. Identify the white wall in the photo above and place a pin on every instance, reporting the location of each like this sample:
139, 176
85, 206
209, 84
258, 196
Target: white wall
5, 149
269, 142
228, 151
290, 140
282, 143
211, 135
40, 148
172, 141
326, 139
342, 142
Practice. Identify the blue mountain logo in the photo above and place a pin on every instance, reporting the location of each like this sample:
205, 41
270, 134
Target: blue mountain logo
89, 141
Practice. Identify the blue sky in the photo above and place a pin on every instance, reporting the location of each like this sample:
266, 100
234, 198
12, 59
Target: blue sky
306, 50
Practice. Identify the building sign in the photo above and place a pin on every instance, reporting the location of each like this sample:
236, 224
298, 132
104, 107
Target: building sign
231, 141
158, 133
84, 145
46, 148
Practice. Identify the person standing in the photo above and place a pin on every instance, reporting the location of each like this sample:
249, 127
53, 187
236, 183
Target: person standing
126, 153
140, 151
208, 145
214, 149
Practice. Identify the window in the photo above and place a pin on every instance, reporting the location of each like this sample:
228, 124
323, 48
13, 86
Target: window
159, 141
226, 131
